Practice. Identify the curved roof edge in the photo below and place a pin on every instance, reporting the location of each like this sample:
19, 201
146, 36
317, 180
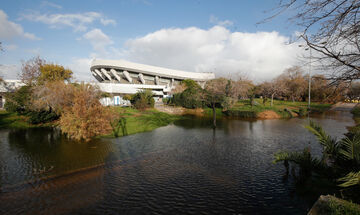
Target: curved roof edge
151, 70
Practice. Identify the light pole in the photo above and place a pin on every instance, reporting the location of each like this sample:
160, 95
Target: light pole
309, 102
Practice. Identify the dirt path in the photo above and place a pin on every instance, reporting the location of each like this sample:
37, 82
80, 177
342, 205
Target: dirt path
341, 106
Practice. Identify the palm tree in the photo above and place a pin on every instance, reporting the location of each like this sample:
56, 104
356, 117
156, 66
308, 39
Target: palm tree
339, 158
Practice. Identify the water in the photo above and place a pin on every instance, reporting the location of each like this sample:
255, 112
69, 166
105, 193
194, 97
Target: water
184, 168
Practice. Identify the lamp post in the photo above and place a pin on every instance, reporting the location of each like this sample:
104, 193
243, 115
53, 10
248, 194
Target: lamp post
309, 102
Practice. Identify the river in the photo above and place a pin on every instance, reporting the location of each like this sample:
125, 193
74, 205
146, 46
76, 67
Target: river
183, 168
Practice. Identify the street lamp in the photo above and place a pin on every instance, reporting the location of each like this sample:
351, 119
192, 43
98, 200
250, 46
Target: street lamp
309, 102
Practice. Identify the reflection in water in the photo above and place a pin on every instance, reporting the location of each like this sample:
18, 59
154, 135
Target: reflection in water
183, 168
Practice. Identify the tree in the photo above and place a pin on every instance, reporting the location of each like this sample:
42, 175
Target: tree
53, 72
85, 117
331, 29
323, 91
189, 95
270, 89
54, 96
30, 70
354, 91
215, 94
294, 83
19, 101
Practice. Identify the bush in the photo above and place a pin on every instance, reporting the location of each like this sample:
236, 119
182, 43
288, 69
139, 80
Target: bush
240, 113
43, 116
143, 100
18, 101
356, 110
190, 97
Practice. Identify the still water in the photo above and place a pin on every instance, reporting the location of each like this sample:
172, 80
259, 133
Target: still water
183, 168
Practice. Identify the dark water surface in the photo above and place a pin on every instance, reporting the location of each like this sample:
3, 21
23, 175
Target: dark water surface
184, 168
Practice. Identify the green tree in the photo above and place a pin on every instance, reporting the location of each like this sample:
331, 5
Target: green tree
53, 72
19, 101
143, 99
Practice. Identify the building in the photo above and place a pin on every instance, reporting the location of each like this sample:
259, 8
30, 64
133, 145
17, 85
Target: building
123, 77
8, 86
119, 77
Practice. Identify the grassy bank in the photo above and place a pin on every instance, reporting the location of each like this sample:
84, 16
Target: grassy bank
13, 120
330, 205
356, 114
283, 109
141, 121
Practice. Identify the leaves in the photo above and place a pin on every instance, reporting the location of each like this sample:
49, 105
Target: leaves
351, 179
330, 145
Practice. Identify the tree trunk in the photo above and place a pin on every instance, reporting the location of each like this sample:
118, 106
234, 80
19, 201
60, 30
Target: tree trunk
214, 115
272, 99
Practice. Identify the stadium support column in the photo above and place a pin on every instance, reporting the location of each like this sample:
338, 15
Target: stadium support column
127, 76
113, 71
141, 78
99, 74
106, 74
157, 82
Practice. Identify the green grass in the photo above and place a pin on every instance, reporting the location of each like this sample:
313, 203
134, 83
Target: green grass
243, 107
142, 121
13, 120
356, 113
335, 206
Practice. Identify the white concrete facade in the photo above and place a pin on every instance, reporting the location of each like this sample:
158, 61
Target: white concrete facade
123, 77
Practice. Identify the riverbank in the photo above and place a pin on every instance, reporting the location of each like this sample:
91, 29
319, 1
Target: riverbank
14, 120
279, 109
136, 121
243, 109
356, 113
330, 205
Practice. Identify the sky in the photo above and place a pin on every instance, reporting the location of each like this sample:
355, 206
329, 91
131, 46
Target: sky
192, 35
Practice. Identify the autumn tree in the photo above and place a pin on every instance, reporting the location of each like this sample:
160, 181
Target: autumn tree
323, 91
85, 117
54, 96
354, 91
269, 89
30, 70
294, 83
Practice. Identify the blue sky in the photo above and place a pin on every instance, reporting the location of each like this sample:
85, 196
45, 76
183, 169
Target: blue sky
195, 35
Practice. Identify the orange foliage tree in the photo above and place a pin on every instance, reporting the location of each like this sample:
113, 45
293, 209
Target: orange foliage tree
86, 117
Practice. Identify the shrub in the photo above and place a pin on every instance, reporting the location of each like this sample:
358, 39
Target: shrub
190, 97
18, 101
143, 100
43, 116
240, 113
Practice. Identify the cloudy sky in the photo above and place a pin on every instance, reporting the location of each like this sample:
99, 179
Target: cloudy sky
191, 35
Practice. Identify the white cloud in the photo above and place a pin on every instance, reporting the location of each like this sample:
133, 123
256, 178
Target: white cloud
9, 71
261, 55
9, 30
107, 21
50, 4
98, 40
214, 20
81, 69
10, 47
77, 21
